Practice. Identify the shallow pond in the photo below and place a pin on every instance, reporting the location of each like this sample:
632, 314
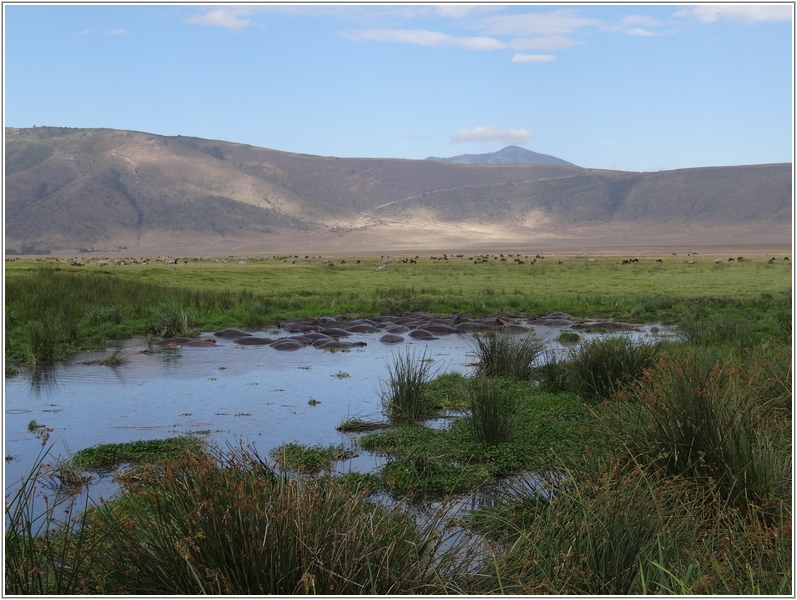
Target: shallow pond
227, 393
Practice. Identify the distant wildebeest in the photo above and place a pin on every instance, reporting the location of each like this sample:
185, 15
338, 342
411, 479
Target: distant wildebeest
659, 260
730, 259
785, 258
740, 258
772, 260
717, 261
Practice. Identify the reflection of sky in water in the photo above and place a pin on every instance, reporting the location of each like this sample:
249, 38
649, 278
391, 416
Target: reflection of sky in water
232, 393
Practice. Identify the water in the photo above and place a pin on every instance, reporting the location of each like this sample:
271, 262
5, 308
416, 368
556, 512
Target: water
226, 394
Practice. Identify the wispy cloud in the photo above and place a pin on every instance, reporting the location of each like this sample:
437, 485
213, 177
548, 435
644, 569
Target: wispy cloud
641, 32
492, 134
739, 13
533, 58
553, 42
116, 32
229, 17
424, 37
553, 23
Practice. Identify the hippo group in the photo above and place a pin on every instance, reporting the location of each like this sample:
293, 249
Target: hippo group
331, 332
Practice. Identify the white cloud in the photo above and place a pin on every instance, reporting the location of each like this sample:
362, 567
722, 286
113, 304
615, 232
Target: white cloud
116, 32
223, 17
492, 134
554, 42
641, 32
533, 58
739, 13
557, 22
423, 37
640, 20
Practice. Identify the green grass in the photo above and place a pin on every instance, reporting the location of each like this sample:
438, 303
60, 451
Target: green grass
668, 467
207, 295
109, 456
504, 354
403, 393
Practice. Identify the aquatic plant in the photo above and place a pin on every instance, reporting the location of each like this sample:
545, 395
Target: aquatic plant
403, 395
599, 368
171, 320
490, 420
502, 353
206, 525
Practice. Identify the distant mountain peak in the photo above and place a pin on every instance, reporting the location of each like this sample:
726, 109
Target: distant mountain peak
511, 155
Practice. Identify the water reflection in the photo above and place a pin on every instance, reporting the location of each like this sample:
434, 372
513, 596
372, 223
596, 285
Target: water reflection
44, 379
224, 393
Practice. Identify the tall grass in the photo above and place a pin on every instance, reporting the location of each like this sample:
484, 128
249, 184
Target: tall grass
490, 421
599, 368
716, 420
211, 525
48, 340
46, 550
170, 320
718, 330
616, 527
403, 395
501, 353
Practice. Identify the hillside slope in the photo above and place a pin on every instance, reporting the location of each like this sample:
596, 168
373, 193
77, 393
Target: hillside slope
107, 189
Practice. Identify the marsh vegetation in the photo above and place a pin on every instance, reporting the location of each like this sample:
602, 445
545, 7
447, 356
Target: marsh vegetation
629, 467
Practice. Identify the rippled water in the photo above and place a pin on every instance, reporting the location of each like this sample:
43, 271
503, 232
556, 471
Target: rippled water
228, 393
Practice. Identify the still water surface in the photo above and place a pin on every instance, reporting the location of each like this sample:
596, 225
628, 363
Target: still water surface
228, 394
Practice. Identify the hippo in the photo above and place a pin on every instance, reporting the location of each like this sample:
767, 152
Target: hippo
252, 341
391, 338
335, 332
363, 329
440, 329
199, 344
396, 329
322, 341
339, 345
230, 333
175, 341
422, 334
286, 345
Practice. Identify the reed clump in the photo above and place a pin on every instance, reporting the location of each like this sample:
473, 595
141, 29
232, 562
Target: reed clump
599, 368
491, 414
209, 525
504, 354
403, 395
720, 421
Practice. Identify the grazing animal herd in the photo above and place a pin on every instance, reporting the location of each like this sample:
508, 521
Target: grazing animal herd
517, 259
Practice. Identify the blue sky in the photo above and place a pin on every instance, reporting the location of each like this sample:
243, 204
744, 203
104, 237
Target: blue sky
628, 87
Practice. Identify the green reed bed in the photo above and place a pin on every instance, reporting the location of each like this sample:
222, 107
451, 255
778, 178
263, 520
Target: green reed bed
211, 525
504, 354
491, 414
719, 420
403, 394
599, 368
615, 530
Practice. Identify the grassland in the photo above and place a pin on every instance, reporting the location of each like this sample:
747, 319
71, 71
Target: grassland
52, 309
660, 468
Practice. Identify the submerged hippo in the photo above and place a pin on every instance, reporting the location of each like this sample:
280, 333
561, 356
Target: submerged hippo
391, 338
230, 333
422, 334
199, 344
286, 345
175, 341
252, 341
